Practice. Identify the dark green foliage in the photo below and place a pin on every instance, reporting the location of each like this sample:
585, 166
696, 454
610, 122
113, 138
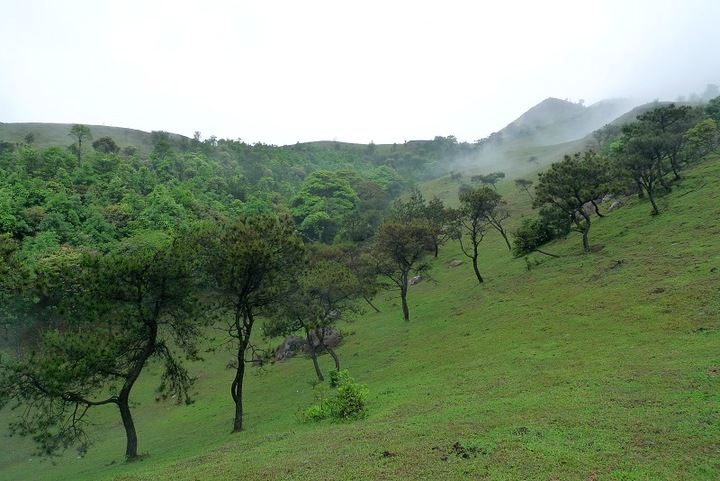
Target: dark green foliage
106, 145
82, 135
658, 145
115, 313
325, 293
574, 184
490, 179
712, 109
251, 266
534, 232
348, 403
399, 249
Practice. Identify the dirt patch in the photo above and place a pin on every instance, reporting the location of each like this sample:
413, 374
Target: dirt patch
460, 451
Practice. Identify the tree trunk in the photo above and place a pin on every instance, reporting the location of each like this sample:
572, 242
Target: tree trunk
403, 298
129, 425
313, 354
475, 268
334, 356
651, 195
243, 324
321, 338
236, 391
597, 208
371, 304
504, 236
585, 231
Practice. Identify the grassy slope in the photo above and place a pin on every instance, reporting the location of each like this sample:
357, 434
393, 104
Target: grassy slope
600, 366
47, 134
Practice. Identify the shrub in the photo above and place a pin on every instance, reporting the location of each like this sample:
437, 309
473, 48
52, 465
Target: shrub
348, 403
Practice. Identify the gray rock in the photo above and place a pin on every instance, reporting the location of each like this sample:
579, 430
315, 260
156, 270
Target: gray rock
290, 347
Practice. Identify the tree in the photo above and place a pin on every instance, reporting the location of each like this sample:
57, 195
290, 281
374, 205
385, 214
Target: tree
524, 185
116, 313
662, 131
642, 160
477, 206
324, 294
538, 230
82, 134
252, 265
320, 207
701, 139
486, 206
106, 145
712, 109
434, 212
399, 250
571, 184
490, 179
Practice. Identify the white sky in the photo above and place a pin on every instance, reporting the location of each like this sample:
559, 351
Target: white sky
282, 71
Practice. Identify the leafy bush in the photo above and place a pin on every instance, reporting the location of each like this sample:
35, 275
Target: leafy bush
348, 403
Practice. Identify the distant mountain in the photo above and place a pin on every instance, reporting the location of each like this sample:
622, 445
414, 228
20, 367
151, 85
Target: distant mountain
554, 121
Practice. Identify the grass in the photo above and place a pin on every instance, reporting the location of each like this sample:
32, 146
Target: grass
586, 367
49, 134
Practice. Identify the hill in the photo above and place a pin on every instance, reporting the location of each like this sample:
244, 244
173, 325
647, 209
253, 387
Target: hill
555, 121
600, 366
48, 134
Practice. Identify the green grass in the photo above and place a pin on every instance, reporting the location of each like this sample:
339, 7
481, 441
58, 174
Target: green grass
587, 367
48, 135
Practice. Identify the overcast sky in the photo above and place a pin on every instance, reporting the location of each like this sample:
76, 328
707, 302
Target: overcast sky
356, 71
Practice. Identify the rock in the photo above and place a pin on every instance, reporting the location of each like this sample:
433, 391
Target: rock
290, 347
616, 204
415, 280
331, 338
456, 263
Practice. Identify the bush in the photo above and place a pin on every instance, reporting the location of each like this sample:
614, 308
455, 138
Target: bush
348, 403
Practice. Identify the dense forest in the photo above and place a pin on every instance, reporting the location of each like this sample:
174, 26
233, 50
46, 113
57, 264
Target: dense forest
113, 259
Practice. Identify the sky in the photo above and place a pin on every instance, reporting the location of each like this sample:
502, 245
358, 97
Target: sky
287, 71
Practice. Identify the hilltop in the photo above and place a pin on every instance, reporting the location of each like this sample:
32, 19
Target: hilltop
555, 121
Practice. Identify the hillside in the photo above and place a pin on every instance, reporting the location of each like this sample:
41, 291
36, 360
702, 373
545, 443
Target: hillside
560, 366
48, 134
602, 366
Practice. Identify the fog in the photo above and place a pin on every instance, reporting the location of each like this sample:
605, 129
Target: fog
281, 72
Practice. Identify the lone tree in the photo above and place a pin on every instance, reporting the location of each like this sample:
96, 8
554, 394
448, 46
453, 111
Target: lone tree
399, 250
524, 186
252, 265
115, 313
323, 295
479, 209
82, 135
572, 183
490, 179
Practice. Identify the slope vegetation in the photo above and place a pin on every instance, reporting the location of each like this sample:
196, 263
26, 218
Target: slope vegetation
599, 366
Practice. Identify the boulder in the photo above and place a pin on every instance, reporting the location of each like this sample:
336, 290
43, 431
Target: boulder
456, 263
415, 280
290, 347
331, 338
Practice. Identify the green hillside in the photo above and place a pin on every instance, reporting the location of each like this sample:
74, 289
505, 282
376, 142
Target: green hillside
600, 366
47, 135
561, 365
